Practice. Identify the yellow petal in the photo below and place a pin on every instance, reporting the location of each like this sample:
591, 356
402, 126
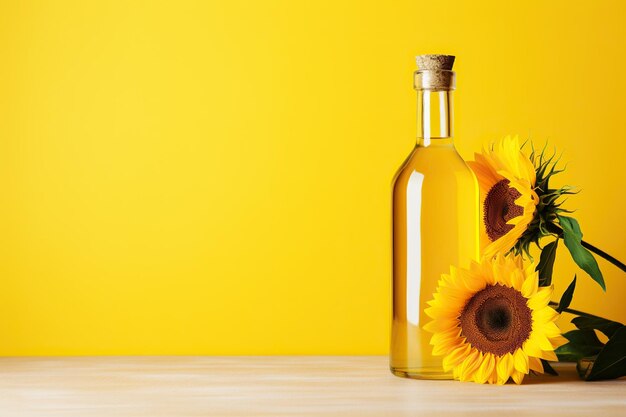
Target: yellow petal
505, 368
530, 286
442, 349
448, 337
558, 341
517, 279
440, 325
544, 315
485, 173
521, 361
474, 282
542, 340
504, 244
530, 269
493, 378
540, 299
485, 370
551, 330
455, 357
518, 377
455, 373
535, 364
442, 312
469, 365
531, 347
549, 356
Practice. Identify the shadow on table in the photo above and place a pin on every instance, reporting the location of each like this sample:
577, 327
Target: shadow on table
567, 373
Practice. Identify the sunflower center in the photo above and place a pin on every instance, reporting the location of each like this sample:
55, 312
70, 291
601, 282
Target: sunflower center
496, 320
499, 208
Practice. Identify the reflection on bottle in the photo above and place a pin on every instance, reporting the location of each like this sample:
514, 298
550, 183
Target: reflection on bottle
435, 220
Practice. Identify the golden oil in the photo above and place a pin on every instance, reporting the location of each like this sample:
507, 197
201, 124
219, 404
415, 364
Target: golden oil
435, 220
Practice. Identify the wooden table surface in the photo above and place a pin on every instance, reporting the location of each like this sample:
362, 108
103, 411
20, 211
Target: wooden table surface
279, 386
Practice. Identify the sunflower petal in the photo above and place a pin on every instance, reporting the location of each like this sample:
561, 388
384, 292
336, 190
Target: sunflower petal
545, 315
455, 357
440, 325
535, 364
530, 286
485, 370
558, 341
505, 368
521, 361
549, 355
518, 377
447, 337
450, 311
540, 299
469, 365
531, 347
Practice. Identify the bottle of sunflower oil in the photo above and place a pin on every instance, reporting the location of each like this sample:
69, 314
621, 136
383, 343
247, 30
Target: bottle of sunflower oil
435, 220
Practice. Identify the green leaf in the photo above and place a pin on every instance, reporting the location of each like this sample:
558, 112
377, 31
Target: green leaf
608, 327
611, 361
566, 298
582, 343
548, 369
583, 258
546, 263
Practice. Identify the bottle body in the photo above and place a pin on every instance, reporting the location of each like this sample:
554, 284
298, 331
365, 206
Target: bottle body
435, 226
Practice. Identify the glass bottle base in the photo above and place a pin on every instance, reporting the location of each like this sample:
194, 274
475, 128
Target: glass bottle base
423, 373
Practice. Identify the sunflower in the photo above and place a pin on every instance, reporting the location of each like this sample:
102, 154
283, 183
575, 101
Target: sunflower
507, 178
492, 322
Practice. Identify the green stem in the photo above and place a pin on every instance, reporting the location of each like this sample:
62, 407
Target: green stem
576, 312
605, 255
559, 232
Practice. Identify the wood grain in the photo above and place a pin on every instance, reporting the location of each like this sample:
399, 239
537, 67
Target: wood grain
278, 386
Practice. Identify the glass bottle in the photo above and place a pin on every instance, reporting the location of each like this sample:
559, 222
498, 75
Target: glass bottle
435, 220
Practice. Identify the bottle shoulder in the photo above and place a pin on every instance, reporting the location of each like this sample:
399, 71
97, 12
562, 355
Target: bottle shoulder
435, 162
435, 159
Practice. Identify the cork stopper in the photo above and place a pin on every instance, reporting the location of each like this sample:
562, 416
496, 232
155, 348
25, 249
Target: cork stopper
435, 62
434, 73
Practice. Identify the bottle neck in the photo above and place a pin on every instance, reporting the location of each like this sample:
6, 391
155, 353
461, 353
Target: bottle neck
434, 115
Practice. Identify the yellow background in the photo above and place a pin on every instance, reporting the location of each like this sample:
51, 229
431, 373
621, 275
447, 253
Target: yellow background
214, 177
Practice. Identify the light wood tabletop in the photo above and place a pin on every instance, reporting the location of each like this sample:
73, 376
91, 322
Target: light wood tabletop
279, 386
